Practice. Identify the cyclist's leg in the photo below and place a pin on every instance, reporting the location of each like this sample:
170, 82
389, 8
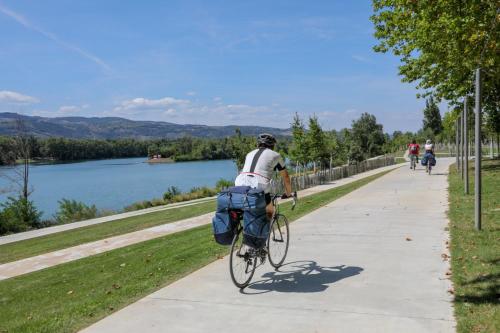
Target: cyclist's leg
269, 207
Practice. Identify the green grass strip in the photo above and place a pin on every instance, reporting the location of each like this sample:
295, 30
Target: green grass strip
71, 296
475, 255
61, 240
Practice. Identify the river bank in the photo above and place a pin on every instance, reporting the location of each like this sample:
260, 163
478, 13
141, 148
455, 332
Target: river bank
113, 184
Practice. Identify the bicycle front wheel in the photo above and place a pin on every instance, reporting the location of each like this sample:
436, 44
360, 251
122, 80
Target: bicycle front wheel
277, 243
242, 261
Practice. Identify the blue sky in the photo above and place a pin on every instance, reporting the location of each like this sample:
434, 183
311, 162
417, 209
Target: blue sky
200, 62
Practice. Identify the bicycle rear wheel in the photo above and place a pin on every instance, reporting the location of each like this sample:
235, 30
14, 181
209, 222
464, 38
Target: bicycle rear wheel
242, 261
278, 241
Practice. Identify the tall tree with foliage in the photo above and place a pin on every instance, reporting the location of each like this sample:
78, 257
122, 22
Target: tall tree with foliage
432, 117
316, 139
441, 43
299, 148
449, 122
368, 136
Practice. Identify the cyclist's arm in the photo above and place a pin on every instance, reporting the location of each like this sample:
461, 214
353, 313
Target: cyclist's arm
280, 166
288, 184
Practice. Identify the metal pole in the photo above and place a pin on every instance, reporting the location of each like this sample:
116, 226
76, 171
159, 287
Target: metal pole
466, 150
462, 143
459, 159
457, 150
477, 161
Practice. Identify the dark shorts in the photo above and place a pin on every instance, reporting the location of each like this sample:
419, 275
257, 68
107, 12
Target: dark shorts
268, 198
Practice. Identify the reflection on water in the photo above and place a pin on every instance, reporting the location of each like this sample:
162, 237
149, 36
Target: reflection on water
114, 184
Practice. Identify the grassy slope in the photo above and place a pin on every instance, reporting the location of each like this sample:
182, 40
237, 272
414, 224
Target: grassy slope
70, 296
475, 256
35, 246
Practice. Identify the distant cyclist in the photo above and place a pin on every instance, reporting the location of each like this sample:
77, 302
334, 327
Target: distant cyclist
413, 152
429, 147
260, 165
429, 158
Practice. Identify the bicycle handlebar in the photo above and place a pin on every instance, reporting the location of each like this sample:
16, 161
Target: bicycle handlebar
284, 196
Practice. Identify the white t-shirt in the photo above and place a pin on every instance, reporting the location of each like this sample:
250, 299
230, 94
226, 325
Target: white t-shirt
259, 167
429, 147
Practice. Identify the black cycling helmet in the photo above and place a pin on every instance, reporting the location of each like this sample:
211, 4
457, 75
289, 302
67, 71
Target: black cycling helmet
266, 140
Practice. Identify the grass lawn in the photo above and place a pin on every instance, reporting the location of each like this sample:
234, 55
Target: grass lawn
61, 240
475, 255
68, 297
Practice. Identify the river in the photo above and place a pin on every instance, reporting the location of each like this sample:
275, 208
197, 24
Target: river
115, 183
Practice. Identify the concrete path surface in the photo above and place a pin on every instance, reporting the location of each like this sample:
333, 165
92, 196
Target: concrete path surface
370, 261
50, 259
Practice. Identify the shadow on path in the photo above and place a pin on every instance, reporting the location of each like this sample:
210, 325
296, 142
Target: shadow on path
301, 277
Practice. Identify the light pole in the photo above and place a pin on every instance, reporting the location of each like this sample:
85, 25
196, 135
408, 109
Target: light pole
466, 149
477, 161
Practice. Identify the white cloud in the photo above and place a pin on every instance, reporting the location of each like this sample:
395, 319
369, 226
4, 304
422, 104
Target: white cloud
29, 25
141, 103
191, 93
217, 99
16, 98
68, 109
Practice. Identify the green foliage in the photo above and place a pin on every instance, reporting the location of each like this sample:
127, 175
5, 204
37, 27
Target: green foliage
432, 117
7, 152
240, 147
170, 193
72, 211
18, 214
300, 145
317, 143
223, 183
355, 153
368, 136
449, 125
440, 44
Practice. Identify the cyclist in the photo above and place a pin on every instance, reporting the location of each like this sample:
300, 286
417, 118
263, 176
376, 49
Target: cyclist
429, 153
429, 147
413, 151
259, 167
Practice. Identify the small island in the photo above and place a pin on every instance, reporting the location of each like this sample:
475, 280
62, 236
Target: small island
160, 159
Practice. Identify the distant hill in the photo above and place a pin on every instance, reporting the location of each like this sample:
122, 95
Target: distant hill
117, 128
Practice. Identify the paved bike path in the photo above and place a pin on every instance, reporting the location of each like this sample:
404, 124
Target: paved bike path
370, 261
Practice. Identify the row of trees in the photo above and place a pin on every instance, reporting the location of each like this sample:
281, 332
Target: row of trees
185, 149
319, 148
440, 45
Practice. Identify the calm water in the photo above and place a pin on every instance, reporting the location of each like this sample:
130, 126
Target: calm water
114, 184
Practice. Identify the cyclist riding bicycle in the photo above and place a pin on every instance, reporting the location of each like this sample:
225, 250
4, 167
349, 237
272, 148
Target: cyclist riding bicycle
429, 158
259, 167
413, 151
429, 147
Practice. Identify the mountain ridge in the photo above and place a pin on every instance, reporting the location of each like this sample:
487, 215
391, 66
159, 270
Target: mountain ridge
120, 128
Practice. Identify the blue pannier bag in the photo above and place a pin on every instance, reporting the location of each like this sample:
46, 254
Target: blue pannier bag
224, 227
428, 157
255, 222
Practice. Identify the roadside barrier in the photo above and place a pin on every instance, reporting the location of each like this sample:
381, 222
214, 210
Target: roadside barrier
301, 182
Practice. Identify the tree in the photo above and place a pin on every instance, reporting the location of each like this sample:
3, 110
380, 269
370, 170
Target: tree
299, 148
23, 148
316, 142
432, 117
368, 136
441, 43
449, 122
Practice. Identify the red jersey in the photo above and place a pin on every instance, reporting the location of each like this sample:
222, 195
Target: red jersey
413, 149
